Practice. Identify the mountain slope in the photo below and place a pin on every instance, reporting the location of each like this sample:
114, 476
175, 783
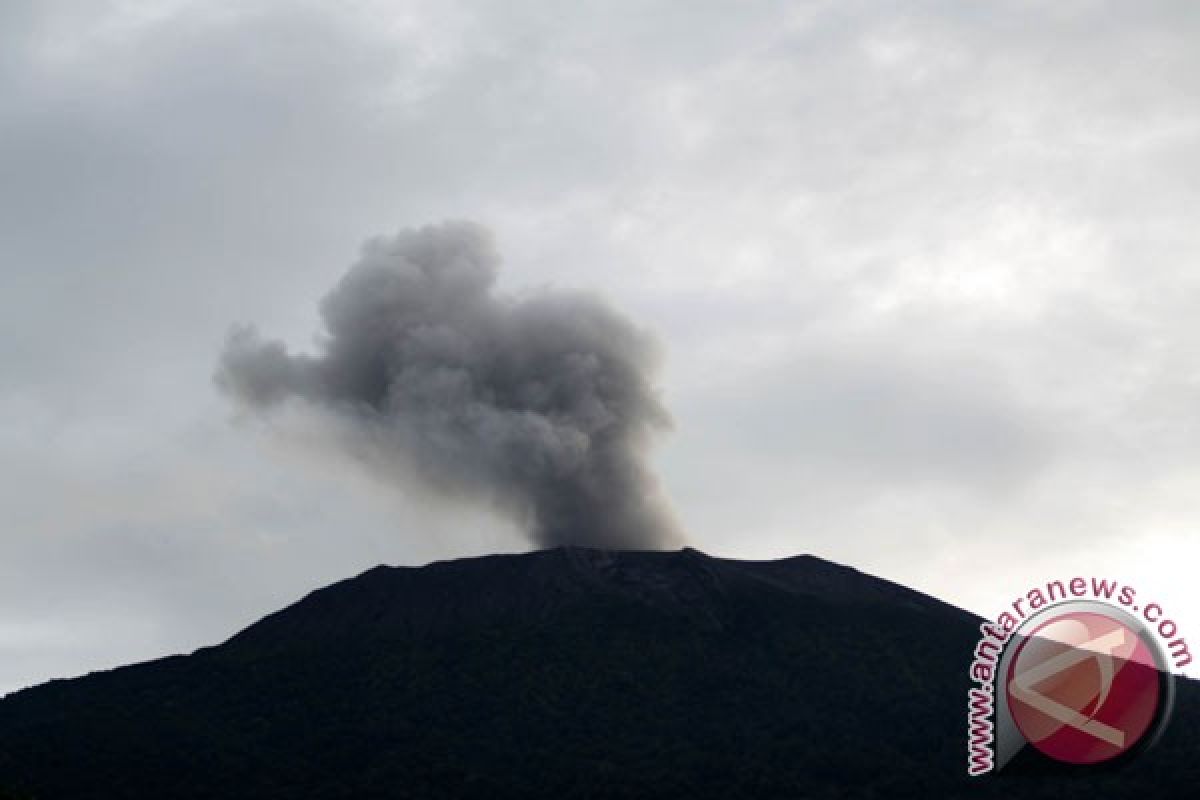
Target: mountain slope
562, 673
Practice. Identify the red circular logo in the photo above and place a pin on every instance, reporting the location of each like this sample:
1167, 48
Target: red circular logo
1083, 687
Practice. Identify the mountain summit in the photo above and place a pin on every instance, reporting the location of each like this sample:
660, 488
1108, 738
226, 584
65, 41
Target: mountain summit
559, 673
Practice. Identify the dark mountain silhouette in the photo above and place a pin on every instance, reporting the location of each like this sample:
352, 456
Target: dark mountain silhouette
561, 673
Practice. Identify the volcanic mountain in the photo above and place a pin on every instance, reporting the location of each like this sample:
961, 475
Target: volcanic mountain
561, 673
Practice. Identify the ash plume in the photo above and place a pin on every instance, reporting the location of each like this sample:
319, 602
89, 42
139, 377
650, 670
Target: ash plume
541, 405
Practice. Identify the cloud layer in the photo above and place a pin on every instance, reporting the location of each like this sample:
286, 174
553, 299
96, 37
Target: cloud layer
924, 277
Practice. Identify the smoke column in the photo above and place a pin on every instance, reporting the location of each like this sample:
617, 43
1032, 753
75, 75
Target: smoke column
541, 405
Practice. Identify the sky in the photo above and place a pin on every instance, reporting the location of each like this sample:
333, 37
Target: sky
924, 277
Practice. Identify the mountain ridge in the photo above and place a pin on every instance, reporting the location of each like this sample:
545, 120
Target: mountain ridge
673, 585
558, 673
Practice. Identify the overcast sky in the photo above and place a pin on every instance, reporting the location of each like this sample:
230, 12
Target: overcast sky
926, 278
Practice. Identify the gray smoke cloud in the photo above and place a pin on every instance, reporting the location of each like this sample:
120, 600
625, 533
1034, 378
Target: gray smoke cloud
542, 405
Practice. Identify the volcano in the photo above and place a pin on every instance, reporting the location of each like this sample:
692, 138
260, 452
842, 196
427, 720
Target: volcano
560, 673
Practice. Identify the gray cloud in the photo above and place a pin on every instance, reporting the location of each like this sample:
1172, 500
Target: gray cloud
542, 405
925, 276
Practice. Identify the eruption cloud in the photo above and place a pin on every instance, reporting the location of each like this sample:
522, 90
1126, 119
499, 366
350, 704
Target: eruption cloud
541, 405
